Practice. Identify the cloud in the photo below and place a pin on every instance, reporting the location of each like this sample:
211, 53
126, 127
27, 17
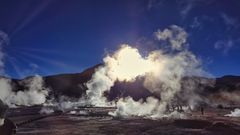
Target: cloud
4, 40
186, 6
231, 26
34, 68
224, 45
196, 24
175, 35
229, 21
154, 3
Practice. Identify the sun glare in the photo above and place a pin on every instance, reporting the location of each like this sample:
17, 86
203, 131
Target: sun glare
127, 64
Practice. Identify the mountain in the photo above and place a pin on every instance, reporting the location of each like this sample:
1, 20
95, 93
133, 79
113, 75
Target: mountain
74, 85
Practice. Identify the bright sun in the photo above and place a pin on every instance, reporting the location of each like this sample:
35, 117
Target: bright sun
127, 64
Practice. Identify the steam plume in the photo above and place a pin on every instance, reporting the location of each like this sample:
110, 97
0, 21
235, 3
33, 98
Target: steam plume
162, 70
235, 113
34, 94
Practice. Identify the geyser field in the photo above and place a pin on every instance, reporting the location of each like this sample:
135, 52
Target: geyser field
163, 91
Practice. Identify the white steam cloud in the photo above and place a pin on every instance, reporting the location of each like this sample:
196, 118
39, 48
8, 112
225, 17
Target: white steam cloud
34, 94
224, 98
46, 110
162, 72
176, 35
6, 89
235, 113
1, 121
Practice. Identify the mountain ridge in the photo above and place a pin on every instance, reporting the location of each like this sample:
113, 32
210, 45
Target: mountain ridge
74, 85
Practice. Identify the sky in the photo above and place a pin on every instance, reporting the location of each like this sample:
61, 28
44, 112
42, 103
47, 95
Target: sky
48, 37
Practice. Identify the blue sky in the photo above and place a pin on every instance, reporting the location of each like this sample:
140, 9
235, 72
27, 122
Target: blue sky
58, 36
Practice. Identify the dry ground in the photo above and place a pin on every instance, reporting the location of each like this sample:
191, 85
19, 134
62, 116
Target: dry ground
212, 123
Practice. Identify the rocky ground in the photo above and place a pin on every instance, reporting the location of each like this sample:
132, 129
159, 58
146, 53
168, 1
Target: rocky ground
212, 122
